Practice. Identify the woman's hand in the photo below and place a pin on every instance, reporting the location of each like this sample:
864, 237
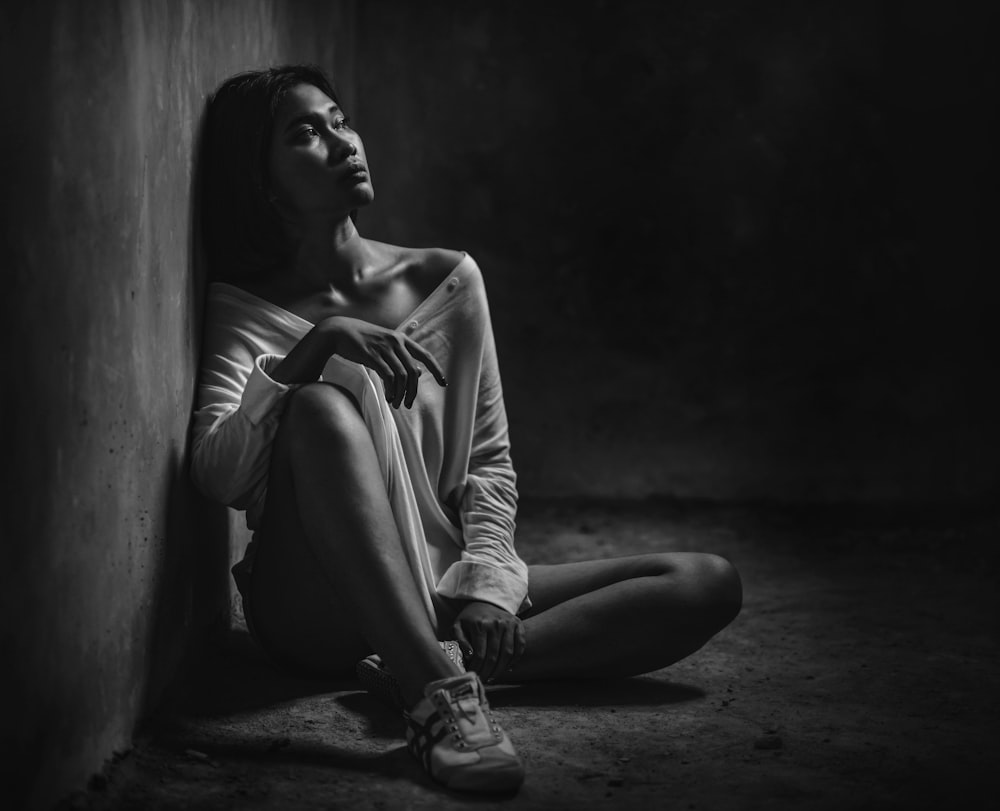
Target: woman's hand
390, 354
491, 639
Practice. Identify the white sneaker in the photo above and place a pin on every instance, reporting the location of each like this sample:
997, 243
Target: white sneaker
453, 734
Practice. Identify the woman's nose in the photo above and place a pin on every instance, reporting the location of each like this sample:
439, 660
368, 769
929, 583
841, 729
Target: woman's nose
341, 148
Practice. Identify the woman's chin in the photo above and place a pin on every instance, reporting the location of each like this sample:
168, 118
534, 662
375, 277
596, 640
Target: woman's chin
362, 195
336, 211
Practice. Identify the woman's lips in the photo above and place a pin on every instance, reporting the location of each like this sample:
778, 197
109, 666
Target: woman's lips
356, 170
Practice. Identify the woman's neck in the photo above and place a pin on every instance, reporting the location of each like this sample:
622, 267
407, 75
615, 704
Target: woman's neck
330, 258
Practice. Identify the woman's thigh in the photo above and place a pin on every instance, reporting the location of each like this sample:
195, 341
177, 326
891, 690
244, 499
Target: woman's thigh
295, 608
552, 584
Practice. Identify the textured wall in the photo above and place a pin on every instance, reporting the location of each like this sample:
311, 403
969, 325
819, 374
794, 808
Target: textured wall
734, 250
114, 569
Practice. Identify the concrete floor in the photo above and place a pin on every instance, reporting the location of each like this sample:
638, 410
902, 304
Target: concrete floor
862, 673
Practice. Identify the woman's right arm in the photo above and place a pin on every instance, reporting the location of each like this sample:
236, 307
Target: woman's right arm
243, 384
242, 391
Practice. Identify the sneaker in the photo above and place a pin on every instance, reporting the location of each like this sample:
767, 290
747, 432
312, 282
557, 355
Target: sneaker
453, 734
378, 680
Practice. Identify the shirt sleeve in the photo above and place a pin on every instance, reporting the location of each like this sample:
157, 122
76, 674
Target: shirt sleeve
489, 569
237, 415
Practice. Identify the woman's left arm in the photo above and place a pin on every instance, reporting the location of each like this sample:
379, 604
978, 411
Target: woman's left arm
495, 578
490, 582
489, 570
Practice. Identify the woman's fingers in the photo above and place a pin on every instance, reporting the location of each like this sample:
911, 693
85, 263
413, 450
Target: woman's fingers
404, 357
383, 370
504, 643
462, 639
412, 375
479, 642
399, 378
507, 633
494, 632
426, 358
508, 649
468, 651
520, 643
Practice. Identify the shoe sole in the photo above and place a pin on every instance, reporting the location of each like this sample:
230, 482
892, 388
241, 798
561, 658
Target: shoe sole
379, 683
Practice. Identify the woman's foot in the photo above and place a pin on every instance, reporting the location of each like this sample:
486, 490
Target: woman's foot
454, 736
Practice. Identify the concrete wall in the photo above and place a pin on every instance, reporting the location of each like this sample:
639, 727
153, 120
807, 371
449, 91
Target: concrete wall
734, 250
114, 569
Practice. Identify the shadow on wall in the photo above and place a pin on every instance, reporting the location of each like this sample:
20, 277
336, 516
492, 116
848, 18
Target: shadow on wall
188, 604
191, 592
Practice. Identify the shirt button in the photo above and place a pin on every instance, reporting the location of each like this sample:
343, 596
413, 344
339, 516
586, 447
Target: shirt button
453, 284
411, 326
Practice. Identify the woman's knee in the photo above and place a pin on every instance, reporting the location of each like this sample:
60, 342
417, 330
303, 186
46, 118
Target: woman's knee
320, 410
721, 588
709, 583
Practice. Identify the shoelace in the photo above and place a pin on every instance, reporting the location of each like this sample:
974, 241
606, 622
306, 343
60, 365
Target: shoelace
467, 692
466, 700
459, 699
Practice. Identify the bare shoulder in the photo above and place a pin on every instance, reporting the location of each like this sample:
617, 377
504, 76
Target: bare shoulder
422, 270
433, 265
427, 268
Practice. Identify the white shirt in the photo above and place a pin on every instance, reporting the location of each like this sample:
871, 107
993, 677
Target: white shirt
445, 462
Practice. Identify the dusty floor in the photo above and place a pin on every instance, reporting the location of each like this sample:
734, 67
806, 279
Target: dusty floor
863, 673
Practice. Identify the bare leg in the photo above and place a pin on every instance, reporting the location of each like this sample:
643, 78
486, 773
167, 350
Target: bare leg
331, 582
624, 616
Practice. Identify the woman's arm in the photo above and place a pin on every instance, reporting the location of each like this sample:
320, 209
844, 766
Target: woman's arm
243, 387
490, 569
249, 366
488, 586
239, 407
488, 510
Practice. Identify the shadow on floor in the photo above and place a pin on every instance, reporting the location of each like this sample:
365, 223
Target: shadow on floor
638, 692
265, 749
241, 678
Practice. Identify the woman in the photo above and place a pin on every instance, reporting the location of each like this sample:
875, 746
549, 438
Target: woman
350, 402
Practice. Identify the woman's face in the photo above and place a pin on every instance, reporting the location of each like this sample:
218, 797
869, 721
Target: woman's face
317, 164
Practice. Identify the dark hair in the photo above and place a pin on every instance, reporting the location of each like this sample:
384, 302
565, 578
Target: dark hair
241, 230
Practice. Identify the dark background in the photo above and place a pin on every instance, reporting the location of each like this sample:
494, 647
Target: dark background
735, 250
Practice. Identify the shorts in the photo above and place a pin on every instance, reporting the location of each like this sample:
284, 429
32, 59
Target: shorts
242, 573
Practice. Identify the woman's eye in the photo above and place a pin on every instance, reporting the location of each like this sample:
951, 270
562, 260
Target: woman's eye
341, 124
306, 133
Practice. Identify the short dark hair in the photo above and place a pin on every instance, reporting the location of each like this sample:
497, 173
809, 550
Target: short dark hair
241, 230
